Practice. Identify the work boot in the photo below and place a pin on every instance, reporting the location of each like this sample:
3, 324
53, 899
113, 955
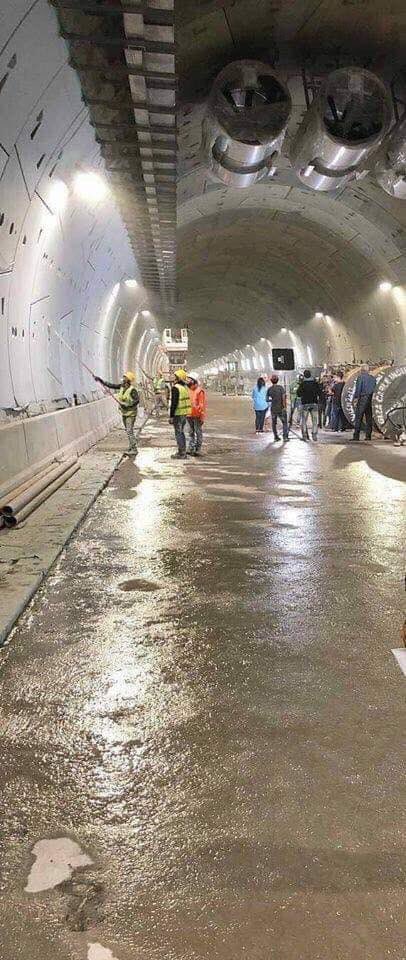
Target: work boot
178, 456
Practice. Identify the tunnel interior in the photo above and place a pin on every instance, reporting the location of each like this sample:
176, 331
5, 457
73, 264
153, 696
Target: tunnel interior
202, 618
274, 263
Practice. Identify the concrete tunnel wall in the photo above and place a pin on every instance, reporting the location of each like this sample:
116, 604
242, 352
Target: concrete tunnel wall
64, 257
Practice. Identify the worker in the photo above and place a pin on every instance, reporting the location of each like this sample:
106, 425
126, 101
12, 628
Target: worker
364, 389
159, 382
198, 398
180, 410
276, 396
161, 393
128, 399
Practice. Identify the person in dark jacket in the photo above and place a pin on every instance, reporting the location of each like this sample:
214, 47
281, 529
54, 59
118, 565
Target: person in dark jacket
128, 400
338, 419
323, 400
180, 410
309, 391
276, 396
364, 389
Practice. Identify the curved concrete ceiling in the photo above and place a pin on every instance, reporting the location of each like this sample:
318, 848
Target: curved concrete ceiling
251, 261
211, 33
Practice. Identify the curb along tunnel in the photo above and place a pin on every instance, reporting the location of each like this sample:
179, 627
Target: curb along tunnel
202, 747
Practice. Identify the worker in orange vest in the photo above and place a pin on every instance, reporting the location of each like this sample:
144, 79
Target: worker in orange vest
198, 398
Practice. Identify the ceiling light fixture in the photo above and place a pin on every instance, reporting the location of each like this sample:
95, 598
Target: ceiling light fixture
90, 186
385, 286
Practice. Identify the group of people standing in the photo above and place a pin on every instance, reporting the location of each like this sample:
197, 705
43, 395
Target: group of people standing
319, 399
270, 401
316, 398
188, 408
332, 413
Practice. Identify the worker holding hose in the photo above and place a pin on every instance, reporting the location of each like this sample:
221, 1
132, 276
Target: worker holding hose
128, 400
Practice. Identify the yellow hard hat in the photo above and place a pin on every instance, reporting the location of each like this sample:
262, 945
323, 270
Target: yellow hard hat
130, 376
181, 374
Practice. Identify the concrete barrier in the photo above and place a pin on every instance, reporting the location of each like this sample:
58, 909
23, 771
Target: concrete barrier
63, 433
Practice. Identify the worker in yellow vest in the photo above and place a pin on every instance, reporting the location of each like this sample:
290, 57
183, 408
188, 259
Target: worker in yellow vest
180, 410
128, 399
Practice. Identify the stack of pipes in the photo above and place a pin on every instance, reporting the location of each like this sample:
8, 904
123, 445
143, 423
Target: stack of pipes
17, 502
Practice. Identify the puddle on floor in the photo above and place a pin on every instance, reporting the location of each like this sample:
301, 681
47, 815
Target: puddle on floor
146, 586
55, 861
122, 494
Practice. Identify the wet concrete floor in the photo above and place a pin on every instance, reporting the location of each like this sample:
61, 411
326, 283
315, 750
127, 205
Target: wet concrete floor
203, 705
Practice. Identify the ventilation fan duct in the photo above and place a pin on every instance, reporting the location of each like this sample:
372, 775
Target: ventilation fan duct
247, 116
345, 124
390, 168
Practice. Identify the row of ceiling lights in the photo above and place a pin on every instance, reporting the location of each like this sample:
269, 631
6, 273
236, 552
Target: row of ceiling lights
89, 185
385, 286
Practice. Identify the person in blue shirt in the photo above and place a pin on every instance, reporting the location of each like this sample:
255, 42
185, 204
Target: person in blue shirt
260, 404
364, 389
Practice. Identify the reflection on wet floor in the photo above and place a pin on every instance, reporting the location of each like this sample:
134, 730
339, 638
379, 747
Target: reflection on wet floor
54, 862
97, 952
203, 700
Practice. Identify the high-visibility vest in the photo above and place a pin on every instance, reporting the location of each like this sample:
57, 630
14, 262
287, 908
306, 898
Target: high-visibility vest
126, 401
199, 402
184, 407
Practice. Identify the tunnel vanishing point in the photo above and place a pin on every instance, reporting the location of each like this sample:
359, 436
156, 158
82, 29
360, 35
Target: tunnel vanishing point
202, 630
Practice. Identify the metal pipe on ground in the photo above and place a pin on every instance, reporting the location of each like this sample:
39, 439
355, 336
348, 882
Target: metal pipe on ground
15, 491
26, 476
14, 506
11, 520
